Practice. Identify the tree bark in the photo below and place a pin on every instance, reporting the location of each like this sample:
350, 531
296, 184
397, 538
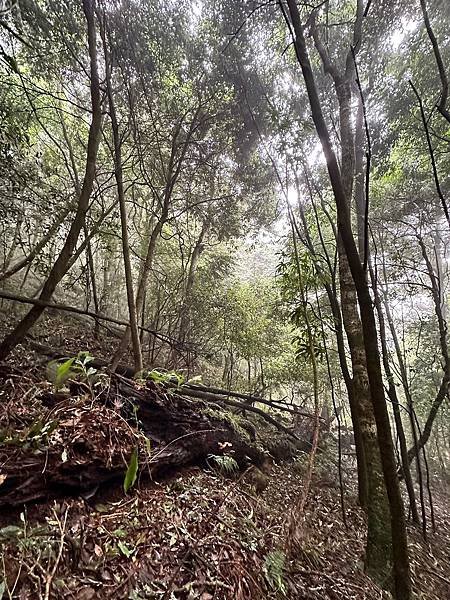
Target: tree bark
337, 313
60, 266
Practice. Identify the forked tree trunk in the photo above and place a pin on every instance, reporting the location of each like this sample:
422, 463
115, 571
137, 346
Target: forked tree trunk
398, 523
61, 264
379, 550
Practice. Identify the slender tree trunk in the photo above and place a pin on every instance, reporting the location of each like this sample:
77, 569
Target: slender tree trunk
398, 523
360, 203
360, 200
361, 461
295, 536
142, 286
118, 173
392, 393
91, 281
60, 266
415, 450
14, 242
436, 293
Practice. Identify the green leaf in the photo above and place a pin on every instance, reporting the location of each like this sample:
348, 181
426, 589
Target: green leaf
131, 474
126, 551
119, 532
63, 372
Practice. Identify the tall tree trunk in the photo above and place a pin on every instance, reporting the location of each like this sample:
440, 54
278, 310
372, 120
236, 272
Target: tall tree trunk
398, 523
360, 200
60, 266
361, 461
118, 173
379, 544
379, 547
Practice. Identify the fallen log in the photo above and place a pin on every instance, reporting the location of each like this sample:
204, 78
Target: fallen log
193, 390
82, 444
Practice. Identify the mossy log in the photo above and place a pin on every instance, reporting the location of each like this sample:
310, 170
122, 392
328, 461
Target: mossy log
90, 442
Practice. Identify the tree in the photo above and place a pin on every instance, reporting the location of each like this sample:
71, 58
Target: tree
60, 266
398, 525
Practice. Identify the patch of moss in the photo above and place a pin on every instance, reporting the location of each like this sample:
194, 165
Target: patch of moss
236, 422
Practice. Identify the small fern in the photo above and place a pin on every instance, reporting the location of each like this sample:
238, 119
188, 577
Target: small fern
225, 464
274, 566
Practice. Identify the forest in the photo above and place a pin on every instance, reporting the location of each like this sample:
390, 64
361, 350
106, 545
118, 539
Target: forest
224, 297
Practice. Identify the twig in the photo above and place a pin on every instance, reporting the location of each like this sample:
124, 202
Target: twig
62, 528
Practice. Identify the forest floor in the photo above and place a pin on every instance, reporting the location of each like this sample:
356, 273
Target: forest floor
195, 533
